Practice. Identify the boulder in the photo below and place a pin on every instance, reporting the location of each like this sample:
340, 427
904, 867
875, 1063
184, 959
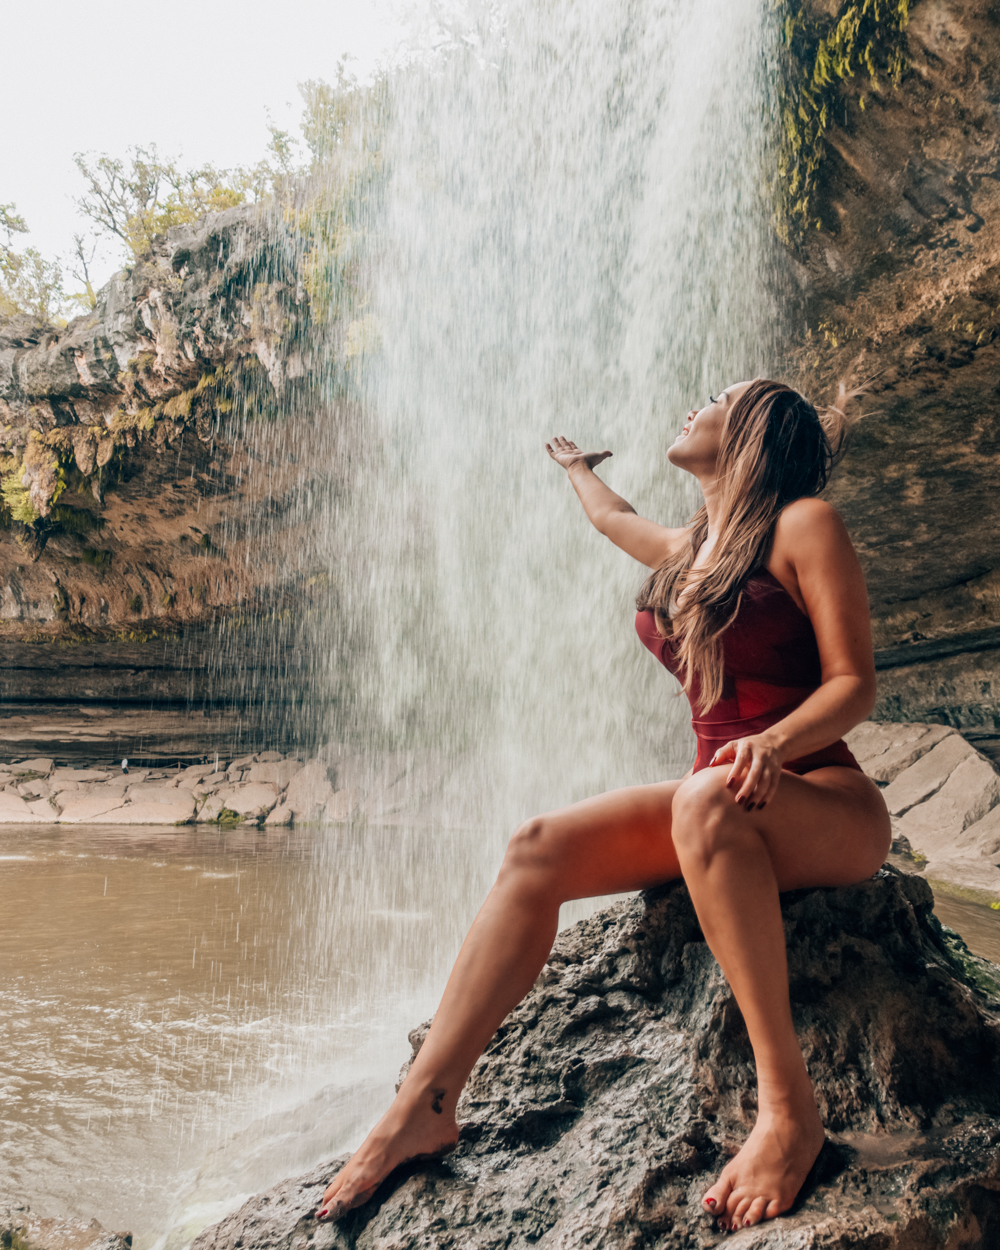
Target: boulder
924, 778
274, 772
158, 792
885, 748
280, 816
80, 808
194, 773
15, 811
271, 757
310, 792
210, 810
613, 1094
249, 801
41, 766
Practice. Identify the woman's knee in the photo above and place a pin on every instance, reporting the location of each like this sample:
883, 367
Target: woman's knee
535, 849
705, 817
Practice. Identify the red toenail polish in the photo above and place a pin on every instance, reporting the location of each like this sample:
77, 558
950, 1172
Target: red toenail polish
710, 1202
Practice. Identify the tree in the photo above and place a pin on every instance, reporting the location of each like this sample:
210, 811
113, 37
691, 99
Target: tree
141, 196
29, 284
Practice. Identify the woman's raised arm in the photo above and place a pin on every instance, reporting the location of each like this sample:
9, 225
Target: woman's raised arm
613, 516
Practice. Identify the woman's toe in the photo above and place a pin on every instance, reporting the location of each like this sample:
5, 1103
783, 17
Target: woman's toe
716, 1198
739, 1212
774, 1208
755, 1211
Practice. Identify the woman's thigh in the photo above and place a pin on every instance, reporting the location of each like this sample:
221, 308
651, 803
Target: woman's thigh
609, 844
829, 827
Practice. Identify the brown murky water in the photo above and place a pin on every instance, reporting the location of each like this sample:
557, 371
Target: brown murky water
164, 991
190, 1015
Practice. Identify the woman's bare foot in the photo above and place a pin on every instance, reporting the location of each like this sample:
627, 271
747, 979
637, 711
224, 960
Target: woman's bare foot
767, 1174
415, 1127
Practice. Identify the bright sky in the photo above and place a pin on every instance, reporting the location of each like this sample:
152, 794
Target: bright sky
197, 77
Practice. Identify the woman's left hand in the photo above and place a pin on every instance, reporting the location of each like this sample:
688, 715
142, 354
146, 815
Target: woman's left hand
756, 769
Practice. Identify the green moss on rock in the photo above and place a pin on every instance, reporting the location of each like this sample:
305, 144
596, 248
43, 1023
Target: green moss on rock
823, 53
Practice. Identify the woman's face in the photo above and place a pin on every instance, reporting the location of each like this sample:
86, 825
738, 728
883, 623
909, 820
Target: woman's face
696, 447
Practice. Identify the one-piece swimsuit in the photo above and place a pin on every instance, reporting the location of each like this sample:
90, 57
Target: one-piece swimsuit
771, 665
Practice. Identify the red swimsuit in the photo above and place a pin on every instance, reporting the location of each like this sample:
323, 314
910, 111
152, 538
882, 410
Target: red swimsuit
770, 665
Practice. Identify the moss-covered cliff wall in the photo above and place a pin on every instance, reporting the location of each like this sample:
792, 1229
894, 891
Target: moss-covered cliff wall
897, 267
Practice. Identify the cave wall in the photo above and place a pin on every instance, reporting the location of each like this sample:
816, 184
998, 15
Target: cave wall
898, 279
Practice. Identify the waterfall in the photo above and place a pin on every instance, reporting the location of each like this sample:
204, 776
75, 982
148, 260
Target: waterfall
572, 238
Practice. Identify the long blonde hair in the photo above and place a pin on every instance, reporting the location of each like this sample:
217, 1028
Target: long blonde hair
775, 447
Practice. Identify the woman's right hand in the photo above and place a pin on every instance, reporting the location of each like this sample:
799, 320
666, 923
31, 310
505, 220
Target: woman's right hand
566, 453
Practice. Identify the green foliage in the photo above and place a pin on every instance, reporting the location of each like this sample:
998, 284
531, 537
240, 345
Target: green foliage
135, 602
16, 499
73, 520
142, 195
822, 54
344, 125
29, 284
95, 557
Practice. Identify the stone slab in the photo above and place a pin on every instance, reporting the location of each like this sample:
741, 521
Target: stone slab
885, 748
41, 765
81, 774
146, 813
88, 809
971, 791
924, 778
46, 809
15, 811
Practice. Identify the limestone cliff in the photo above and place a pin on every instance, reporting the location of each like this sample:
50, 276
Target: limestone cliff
899, 278
165, 460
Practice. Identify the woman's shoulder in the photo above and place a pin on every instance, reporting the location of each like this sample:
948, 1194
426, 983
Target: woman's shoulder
807, 518
808, 529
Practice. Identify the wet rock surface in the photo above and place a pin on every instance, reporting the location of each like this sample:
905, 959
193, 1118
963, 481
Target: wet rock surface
611, 1097
21, 1229
264, 788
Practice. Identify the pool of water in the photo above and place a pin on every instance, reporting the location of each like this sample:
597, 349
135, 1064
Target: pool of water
191, 1015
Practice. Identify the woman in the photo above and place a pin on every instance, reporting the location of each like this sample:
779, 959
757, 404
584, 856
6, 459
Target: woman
759, 606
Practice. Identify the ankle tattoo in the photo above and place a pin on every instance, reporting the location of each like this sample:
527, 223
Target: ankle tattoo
438, 1094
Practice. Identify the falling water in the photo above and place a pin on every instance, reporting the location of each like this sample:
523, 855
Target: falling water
569, 234
573, 239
